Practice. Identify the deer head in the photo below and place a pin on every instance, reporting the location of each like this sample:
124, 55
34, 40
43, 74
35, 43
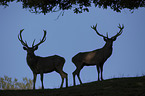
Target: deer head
30, 50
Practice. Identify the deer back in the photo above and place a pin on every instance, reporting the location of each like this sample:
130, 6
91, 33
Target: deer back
92, 57
45, 64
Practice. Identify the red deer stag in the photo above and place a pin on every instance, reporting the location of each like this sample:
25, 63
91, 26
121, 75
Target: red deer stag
96, 57
41, 65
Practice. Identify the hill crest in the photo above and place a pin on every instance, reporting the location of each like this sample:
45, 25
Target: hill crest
128, 86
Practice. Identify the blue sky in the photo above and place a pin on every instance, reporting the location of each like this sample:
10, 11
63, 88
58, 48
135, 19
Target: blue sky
69, 35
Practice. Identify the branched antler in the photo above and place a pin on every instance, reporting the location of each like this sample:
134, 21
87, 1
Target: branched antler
21, 40
95, 28
41, 41
25, 43
120, 32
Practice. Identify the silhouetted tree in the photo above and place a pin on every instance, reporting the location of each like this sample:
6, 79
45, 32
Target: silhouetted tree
7, 83
78, 6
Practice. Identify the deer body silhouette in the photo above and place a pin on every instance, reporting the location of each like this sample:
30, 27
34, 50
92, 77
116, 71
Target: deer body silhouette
96, 57
41, 65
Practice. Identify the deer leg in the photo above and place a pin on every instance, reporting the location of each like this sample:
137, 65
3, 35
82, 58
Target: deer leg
67, 81
98, 70
101, 72
62, 82
42, 80
77, 72
79, 78
63, 75
66, 78
34, 80
74, 80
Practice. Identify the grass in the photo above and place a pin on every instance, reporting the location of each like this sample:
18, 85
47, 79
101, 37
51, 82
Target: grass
130, 86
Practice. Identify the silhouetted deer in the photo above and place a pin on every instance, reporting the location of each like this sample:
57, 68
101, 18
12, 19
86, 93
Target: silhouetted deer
96, 57
41, 65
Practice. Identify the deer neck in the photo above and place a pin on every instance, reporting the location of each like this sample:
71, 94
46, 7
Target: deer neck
107, 49
31, 58
32, 62
31, 55
108, 45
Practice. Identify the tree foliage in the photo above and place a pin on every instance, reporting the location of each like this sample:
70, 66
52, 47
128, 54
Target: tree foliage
78, 6
6, 83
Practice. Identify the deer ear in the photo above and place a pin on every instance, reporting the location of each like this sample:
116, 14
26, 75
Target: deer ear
105, 38
114, 38
25, 48
36, 47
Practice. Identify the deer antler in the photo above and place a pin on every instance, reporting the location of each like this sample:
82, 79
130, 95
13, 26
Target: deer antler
95, 28
21, 40
41, 41
120, 32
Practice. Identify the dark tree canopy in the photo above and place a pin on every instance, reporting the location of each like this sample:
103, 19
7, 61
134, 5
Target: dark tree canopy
78, 6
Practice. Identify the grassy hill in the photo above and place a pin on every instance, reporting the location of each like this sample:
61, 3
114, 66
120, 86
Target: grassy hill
130, 86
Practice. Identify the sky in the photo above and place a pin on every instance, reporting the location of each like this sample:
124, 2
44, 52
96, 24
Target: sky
69, 35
